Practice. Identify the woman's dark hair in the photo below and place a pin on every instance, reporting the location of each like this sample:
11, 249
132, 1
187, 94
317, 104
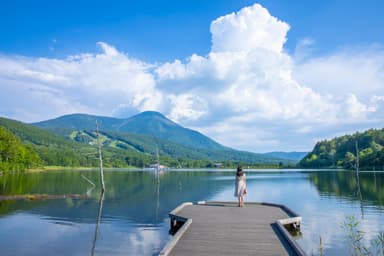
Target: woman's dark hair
239, 171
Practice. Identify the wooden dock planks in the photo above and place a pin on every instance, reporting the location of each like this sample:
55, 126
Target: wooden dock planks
223, 228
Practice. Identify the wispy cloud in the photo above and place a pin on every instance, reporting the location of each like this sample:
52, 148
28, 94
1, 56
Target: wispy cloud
247, 93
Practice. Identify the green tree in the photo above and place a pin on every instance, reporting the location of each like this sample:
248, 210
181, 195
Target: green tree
349, 160
14, 155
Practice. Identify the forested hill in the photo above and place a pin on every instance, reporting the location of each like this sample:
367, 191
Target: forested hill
150, 131
14, 154
51, 148
341, 151
121, 149
148, 123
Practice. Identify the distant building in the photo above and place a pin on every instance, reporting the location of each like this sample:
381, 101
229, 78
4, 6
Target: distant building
157, 166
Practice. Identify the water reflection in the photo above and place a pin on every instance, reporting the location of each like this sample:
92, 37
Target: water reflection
135, 196
345, 184
358, 191
132, 216
343, 194
98, 222
134, 210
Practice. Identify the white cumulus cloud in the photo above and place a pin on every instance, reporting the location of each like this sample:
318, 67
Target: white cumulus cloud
96, 83
250, 28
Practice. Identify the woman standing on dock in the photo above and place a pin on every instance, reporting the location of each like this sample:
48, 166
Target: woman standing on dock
240, 186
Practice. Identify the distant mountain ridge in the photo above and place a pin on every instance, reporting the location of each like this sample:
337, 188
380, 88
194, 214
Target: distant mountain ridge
148, 123
79, 122
294, 155
156, 130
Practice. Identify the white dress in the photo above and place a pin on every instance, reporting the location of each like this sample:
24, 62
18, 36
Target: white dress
240, 185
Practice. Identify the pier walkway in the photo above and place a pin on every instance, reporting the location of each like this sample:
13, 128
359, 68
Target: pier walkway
223, 228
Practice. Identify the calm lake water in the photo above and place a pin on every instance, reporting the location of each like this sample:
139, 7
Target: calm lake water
134, 213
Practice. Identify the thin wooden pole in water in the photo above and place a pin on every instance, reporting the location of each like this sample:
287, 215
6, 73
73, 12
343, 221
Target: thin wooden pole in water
357, 156
358, 180
97, 223
100, 158
157, 195
157, 182
102, 190
158, 166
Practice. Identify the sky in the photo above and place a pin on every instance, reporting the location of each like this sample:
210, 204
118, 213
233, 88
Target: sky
260, 76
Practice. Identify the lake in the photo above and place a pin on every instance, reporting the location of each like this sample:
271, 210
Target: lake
132, 218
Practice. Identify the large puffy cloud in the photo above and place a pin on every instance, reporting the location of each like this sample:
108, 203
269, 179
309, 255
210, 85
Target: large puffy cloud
247, 93
250, 88
246, 72
250, 28
107, 83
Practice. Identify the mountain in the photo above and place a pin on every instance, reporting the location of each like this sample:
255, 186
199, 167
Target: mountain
57, 150
71, 141
80, 122
157, 125
149, 132
295, 156
341, 151
148, 123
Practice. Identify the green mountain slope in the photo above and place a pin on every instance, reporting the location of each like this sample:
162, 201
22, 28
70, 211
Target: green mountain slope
152, 145
66, 147
15, 155
156, 125
57, 150
341, 151
80, 122
151, 131
148, 123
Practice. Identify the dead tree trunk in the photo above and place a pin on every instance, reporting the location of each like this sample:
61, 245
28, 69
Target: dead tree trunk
100, 158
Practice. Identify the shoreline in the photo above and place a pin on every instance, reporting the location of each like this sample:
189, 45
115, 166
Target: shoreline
58, 168
82, 168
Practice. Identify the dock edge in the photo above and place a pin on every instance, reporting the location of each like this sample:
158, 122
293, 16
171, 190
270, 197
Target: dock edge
294, 219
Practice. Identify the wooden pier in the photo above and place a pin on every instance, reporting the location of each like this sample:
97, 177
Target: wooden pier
223, 228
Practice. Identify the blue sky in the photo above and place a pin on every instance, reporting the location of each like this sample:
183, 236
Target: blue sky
253, 75
165, 30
